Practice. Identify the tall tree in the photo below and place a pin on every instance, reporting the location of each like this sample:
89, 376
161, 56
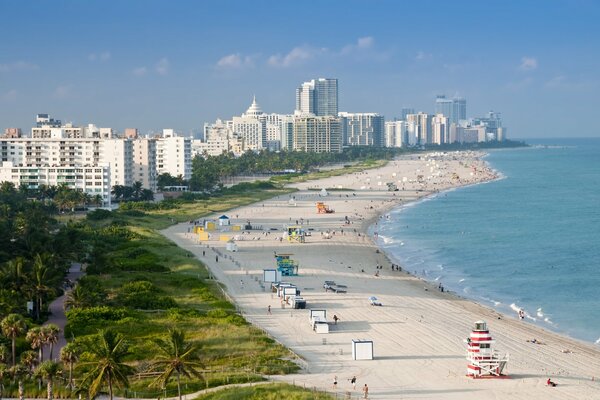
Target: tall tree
69, 356
35, 337
20, 373
108, 352
50, 334
49, 370
176, 357
13, 325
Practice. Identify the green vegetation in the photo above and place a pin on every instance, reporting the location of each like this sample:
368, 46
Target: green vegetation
273, 391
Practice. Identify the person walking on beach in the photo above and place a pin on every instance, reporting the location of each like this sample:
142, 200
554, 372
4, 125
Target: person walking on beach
335, 319
365, 390
353, 382
269, 309
335, 382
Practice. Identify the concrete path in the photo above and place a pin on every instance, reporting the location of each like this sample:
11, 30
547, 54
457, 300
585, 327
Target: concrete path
57, 311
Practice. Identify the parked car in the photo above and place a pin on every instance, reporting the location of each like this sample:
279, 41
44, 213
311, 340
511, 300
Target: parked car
374, 301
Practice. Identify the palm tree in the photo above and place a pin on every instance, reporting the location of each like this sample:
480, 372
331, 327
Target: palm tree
49, 370
137, 190
69, 355
176, 357
4, 372
12, 326
35, 337
76, 298
50, 336
41, 275
29, 359
108, 367
19, 373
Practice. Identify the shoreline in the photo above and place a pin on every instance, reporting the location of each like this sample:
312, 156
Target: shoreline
414, 327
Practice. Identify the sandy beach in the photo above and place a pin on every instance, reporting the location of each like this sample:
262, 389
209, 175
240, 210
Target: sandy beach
419, 333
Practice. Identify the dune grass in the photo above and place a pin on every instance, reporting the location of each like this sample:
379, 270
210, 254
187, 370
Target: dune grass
274, 391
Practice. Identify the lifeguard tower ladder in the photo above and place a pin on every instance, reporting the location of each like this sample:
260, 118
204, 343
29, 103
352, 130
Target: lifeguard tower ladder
484, 361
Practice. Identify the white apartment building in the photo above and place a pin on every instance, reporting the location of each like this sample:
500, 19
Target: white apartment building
362, 129
422, 127
174, 155
396, 134
118, 154
440, 132
93, 180
143, 168
317, 134
72, 132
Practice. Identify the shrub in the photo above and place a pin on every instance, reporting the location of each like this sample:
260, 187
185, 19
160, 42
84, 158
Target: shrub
143, 295
82, 321
99, 214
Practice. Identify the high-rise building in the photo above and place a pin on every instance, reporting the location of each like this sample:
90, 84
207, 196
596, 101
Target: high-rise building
396, 134
459, 110
422, 126
317, 134
405, 111
143, 167
440, 132
45, 120
12, 133
454, 109
174, 155
362, 129
444, 106
318, 97
251, 127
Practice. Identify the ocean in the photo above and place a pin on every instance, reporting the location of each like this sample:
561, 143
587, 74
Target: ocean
530, 240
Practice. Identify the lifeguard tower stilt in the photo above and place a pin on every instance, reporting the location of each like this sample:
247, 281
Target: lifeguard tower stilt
484, 361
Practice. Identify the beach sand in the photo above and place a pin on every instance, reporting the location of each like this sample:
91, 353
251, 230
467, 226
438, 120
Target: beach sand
419, 333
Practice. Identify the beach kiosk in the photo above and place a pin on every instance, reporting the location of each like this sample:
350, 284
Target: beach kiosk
362, 349
231, 246
271, 275
224, 220
484, 361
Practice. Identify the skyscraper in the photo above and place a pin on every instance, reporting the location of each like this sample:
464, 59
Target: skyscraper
444, 106
362, 129
459, 110
318, 97
454, 109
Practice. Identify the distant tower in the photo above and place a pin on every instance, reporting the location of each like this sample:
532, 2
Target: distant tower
318, 97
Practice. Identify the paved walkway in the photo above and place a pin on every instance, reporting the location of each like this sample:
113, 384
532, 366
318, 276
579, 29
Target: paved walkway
57, 310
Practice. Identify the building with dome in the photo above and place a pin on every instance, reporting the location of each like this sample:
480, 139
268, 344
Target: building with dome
251, 128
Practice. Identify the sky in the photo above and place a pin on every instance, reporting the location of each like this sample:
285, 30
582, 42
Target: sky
154, 64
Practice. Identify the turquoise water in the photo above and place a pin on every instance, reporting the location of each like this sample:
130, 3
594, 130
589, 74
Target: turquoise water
530, 240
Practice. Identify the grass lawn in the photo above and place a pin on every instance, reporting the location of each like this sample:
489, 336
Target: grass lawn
275, 391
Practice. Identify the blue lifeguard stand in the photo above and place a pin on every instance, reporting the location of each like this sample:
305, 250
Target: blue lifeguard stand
286, 265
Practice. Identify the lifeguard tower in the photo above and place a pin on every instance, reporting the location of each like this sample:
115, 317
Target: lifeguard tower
296, 234
286, 265
323, 209
484, 361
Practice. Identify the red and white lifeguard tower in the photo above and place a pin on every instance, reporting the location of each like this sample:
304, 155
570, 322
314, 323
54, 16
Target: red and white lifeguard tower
484, 361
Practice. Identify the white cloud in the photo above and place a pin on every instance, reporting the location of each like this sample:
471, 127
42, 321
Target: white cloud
162, 66
297, 56
365, 42
62, 91
18, 66
103, 56
421, 55
528, 64
140, 71
362, 43
235, 61
10, 95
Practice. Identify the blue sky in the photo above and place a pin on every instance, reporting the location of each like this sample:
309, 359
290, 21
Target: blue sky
177, 64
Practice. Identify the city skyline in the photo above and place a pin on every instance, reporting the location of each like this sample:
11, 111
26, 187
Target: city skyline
156, 64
